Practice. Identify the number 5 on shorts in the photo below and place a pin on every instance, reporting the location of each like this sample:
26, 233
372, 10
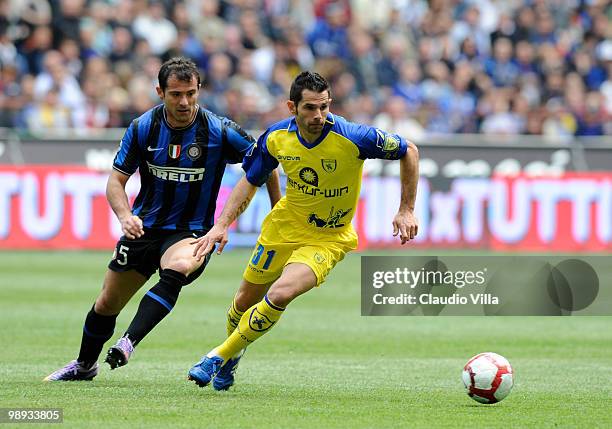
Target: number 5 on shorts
122, 253
257, 256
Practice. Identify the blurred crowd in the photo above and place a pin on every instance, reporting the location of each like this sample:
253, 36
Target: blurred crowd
416, 67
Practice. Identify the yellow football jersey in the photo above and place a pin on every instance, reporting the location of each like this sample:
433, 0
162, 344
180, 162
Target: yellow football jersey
323, 177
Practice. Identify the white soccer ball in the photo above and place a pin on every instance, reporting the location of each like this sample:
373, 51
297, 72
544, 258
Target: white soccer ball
488, 378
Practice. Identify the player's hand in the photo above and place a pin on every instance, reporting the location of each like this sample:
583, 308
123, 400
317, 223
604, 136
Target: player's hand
205, 244
131, 226
406, 225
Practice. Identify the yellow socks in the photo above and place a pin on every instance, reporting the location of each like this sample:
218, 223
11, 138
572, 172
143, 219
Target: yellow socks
255, 322
233, 317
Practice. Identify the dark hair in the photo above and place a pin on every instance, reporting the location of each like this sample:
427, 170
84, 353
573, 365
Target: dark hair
182, 68
307, 80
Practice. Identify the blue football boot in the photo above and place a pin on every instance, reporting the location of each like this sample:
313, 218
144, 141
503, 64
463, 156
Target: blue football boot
225, 378
205, 370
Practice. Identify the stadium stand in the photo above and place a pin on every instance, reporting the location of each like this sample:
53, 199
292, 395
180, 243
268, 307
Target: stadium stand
419, 67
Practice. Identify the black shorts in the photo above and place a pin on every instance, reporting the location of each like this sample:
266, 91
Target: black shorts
144, 254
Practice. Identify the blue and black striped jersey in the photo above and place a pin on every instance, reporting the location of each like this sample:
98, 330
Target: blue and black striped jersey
180, 169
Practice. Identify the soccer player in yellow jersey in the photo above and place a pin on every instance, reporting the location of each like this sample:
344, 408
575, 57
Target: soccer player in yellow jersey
309, 230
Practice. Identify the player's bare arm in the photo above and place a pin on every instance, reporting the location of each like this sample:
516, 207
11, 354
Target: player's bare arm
405, 223
237, 203
131, 225
273, 187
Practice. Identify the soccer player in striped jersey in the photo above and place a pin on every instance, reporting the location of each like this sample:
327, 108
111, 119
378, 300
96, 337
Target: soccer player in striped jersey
181, 151
309, 231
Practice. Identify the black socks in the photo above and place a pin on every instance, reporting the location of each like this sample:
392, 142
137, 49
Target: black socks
96, 331
156, 304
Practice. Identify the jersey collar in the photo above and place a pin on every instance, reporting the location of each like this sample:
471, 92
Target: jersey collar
164, 115
329, 122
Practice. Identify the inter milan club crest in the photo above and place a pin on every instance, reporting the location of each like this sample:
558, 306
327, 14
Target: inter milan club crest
309, 176
194, 151
329, 165
174, 150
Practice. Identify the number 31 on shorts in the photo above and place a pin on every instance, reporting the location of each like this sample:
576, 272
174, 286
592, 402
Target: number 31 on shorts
257, 257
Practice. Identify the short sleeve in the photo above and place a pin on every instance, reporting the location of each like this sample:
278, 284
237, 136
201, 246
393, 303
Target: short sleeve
258, 163
237, 142
128, 156
375, 143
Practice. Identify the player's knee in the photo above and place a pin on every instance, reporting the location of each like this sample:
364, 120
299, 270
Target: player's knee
281, 297
184, 266
281, 294
249, 294
287, 288
106, 306
246, 299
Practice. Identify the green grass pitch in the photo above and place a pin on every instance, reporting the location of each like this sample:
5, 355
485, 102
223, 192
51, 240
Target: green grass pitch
323, 366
